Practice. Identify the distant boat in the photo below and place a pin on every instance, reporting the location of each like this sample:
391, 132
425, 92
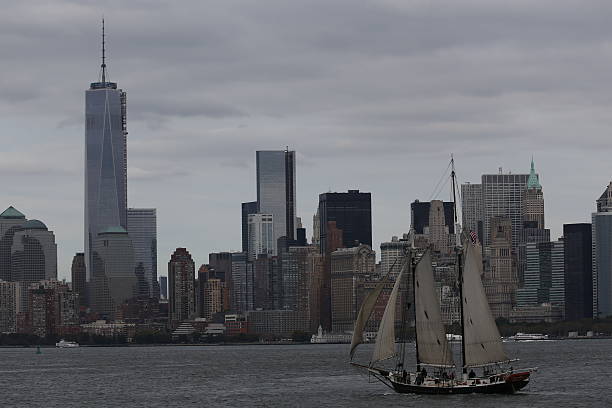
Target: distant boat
66, 344
481, 344
453, 337
332, 338
528, 337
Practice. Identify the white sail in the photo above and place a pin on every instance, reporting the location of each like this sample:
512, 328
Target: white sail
385, 338
433, 348
482, 340
364, 314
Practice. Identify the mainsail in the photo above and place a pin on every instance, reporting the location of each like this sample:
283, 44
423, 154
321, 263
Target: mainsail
364, 314
385, 338
432, 346
482, 340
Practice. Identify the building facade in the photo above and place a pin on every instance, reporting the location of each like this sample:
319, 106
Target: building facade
602, 255
276, 190
472, 208
242, 288
352, 214
142, 228
578, 258
246, 210
261, 236
79, 280
181, 290
11, 221
9, 306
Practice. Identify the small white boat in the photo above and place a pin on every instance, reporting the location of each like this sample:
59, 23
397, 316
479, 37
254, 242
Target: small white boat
66, 344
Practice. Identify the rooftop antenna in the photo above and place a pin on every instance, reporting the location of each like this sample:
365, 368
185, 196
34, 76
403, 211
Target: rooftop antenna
103, 54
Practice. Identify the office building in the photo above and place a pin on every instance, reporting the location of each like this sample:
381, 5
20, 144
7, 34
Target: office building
533, 200
393, 254
472, 208
181, 290
142, 228
163, 287
221, 262
421, 215
242, 289
79, 280
602, 255
247, 209
276, 190
113, 279
578, 257
11, 221
261, 236
349, 267
105, 160
352, 214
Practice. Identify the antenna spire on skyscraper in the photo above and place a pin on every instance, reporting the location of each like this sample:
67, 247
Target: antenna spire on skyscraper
103, 54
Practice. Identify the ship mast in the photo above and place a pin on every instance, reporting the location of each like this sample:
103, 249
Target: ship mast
459, 252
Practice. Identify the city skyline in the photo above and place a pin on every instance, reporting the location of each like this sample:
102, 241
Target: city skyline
226, 127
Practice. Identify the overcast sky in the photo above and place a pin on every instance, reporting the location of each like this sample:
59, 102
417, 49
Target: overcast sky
372, 95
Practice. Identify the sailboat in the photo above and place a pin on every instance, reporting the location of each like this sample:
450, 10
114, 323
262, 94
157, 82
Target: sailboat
481, 345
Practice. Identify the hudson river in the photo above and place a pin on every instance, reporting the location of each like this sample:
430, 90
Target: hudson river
572, 373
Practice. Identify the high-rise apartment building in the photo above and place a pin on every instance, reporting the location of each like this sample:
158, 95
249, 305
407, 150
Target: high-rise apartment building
181, 279
276, 190
142, 228
105, 160
242, 289
9, 306
578, 258
352, 214
349, 267
261, 236
113, 278
221, 262
392, 254
51, 305
472, 208
602, 255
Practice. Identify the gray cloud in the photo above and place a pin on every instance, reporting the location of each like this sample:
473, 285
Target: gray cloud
373, 95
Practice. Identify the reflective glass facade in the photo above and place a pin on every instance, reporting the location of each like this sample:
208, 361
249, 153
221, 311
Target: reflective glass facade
142, 228
105, 162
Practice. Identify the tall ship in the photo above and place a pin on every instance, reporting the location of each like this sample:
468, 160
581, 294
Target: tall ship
485, 367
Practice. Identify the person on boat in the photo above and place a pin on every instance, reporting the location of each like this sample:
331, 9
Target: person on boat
404, 375
472, 374
424, 373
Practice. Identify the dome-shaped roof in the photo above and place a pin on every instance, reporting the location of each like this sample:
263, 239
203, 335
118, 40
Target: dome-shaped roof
34, 224
113, 230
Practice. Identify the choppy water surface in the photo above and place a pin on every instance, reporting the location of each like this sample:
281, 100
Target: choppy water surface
572, 373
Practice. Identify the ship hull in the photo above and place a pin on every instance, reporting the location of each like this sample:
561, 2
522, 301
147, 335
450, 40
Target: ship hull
513, 383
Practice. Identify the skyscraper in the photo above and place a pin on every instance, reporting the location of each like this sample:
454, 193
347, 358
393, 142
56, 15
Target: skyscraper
352, 213
602, 255
11, 221
391, 255
246, 210
503, 196
276, 190
242, 289
113, 277
105, 159
142, 228
578, 257
472, 208
79, 281
500, 279
533, 200
181, 291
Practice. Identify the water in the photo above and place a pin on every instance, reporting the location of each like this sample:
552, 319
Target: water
572, 373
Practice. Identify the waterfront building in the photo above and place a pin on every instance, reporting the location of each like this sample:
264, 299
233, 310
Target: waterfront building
273, 322
472, 208
52, 305
11, 221
142, 228
105, 160
261, 236
500, 278
602, 255
276, 190
349, 266
79, 280
113, 279
246, 210
181, 290
352, 214
578, 257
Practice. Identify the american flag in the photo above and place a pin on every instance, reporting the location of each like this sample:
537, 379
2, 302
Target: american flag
474, 237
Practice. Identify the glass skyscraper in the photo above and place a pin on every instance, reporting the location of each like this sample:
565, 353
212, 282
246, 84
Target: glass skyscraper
105, 161
142, 228
276, 190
